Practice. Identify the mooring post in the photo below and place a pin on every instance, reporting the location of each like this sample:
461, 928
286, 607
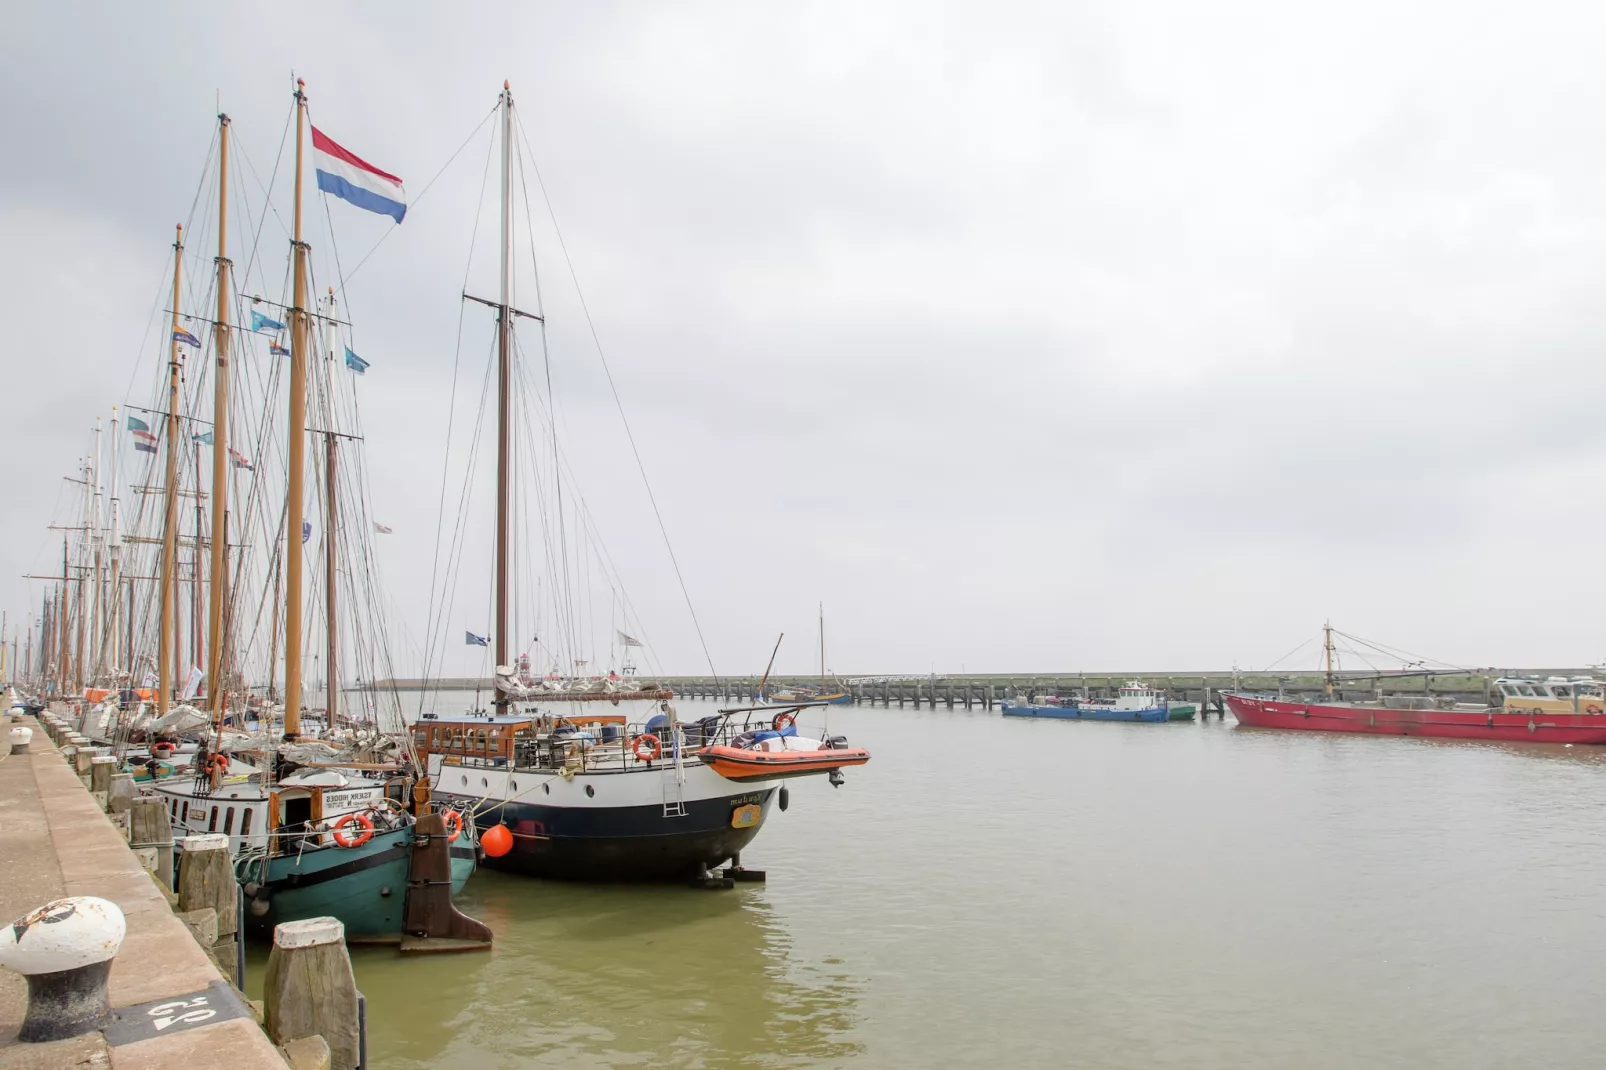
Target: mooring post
206, 879
101, 768
309, 989
65, 950
150, 837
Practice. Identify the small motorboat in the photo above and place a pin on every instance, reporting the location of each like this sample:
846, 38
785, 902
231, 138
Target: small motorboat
778, 752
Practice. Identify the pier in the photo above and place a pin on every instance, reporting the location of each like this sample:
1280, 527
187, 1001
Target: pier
987, 691
56, 841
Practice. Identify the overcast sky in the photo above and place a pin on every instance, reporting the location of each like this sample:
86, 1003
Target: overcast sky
1090, 336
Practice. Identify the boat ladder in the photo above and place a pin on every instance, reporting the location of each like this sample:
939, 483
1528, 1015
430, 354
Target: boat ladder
674, 784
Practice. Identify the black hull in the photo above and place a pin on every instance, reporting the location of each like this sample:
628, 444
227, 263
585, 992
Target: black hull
624, 843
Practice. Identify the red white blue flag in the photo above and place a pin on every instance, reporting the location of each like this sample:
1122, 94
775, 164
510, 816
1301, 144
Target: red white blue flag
355, 180
144, 441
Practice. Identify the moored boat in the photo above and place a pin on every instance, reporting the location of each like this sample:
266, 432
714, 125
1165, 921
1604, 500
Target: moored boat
1532, 711
1134, 702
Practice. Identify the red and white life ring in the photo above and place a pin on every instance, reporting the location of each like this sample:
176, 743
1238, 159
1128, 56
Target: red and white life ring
647, 747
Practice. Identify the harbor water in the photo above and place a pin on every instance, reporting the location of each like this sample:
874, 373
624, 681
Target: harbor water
1004, 893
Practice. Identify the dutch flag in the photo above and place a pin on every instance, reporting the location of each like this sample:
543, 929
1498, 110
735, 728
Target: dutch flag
351, 178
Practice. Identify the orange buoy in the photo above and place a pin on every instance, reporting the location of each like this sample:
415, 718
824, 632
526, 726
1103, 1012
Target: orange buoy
497, 841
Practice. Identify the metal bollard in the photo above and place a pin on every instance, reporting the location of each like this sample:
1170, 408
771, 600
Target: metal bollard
65, 950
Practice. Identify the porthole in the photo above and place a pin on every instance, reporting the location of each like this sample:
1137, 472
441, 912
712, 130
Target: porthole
591, 791
484, 783
547, 788
512, 785
464, 779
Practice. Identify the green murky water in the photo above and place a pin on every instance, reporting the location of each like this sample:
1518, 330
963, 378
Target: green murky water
1041, 894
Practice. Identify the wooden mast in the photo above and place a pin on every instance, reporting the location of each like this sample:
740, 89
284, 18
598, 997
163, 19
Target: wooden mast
294, 506
167, 642
196, 651
114, 611
78, 594
63, 655
97, 624
331, 670
504, 418
220, 437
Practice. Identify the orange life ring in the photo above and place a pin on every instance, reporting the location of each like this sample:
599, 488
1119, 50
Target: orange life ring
161, 750
1593, 707
354, 818
647, 747
783, 721
218, 763
454, 823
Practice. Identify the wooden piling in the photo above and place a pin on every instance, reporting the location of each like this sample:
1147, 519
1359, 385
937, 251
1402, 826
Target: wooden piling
206, 879
309, 989
150, 836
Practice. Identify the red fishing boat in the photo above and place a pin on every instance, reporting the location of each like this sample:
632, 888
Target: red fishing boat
1556, 709
1511, 721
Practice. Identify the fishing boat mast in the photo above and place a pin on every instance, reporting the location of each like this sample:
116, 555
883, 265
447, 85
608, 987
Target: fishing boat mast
167, 652
220, 438
822, 648
297, 449
504, 418
1327, 644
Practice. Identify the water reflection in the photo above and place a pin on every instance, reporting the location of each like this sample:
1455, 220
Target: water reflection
587, 975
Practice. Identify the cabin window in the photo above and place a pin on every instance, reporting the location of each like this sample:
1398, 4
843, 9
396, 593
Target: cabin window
245, 821
211, 826
185, 816
228, 822
1524, 689
1561, 691
1506, 690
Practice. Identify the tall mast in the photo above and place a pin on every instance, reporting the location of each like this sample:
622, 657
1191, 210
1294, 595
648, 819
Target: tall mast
167, 653
79, 613
97, 625
62, 654
331, 633
504, 418
294, 506
1327, 637
220, 436
116, 543
195, 572
273, 650
822, 648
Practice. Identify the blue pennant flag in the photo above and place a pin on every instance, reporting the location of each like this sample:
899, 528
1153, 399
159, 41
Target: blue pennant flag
354, 362
306, 530
470, 639
277, 350
204, 438
259, 322
181, 335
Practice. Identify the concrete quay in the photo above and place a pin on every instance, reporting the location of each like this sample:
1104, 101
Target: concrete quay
54, 842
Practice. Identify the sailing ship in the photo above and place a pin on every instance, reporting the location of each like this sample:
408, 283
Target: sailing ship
334, 826
582, 794
823, 694
1531, 710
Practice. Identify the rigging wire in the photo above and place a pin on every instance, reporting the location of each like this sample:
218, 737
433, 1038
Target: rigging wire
413, 203
613, 388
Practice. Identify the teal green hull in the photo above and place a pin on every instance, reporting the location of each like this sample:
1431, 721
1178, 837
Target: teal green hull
364, 887
1183, 711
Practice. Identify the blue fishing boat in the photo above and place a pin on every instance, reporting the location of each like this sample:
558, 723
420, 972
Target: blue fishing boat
1134, 702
